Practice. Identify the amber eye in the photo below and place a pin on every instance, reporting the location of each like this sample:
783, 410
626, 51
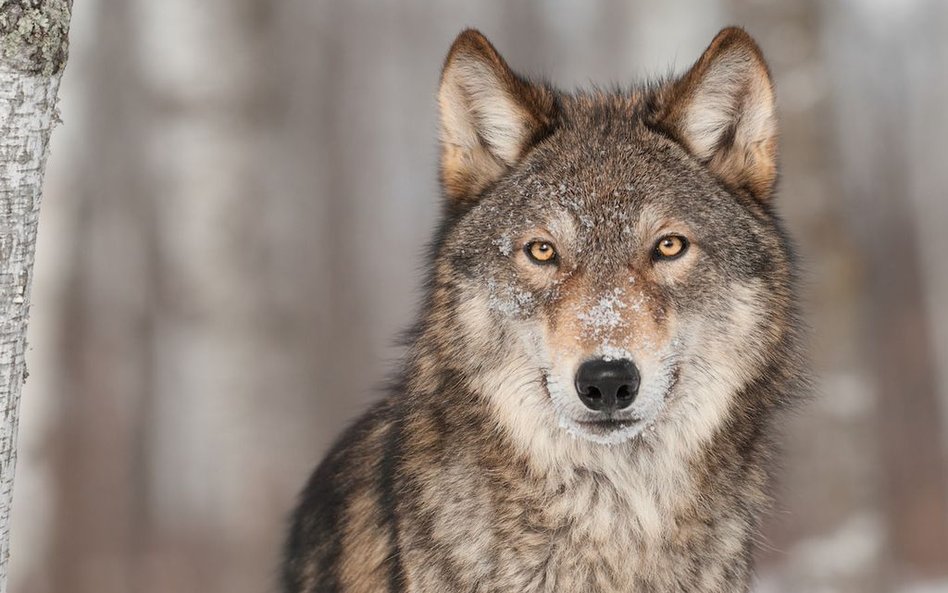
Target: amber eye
541, 252
670, 247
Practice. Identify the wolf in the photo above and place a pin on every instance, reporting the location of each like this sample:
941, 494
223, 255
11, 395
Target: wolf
611, 327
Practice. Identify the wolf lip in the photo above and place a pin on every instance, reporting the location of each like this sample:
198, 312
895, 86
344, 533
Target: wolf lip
605, 424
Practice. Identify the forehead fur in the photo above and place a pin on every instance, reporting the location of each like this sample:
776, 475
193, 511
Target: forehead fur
604, 162
606, 142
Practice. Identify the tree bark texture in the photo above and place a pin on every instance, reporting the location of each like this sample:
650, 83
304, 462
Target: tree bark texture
33, 47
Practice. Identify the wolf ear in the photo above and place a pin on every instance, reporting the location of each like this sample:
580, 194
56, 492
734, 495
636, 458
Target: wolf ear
489, 117
722, 110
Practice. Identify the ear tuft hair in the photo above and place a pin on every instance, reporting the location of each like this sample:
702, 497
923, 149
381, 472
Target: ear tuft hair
722, 110
489, 116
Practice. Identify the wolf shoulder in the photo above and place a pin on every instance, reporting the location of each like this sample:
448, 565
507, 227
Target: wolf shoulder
347, 504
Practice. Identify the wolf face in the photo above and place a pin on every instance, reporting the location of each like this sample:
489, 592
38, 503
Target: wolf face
614, 254
609, 328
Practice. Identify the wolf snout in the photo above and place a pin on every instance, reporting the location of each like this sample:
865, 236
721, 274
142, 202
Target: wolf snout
607, 385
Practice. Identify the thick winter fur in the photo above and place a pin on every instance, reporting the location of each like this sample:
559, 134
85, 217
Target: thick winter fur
482, 471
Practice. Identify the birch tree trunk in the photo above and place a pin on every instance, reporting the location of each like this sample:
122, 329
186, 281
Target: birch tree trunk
33, 48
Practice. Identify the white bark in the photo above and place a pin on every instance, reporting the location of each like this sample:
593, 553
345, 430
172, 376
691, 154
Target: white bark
33, 53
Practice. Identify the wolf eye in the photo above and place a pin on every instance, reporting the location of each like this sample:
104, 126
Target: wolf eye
541, 252
670, 247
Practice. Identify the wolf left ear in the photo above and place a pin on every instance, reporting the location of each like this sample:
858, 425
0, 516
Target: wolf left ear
722, 110
489, 116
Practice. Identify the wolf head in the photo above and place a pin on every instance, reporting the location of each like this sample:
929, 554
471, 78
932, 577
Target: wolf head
610, 263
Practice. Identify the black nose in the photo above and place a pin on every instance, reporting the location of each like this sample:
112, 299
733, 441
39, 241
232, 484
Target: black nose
607, 385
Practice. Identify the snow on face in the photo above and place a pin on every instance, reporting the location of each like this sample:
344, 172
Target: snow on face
504, 245
508, 300
605, 315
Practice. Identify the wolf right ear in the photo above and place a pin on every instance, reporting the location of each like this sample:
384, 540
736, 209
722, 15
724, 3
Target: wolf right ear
722, 110
489, 117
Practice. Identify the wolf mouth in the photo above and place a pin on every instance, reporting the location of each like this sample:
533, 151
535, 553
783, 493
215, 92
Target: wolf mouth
609, 422
607, 425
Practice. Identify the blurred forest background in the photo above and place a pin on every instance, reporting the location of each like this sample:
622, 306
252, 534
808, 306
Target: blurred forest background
234, 219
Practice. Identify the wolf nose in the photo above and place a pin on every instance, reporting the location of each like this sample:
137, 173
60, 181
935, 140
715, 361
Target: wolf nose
607, 385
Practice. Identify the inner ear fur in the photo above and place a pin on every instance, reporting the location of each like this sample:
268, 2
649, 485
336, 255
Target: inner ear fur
489, 116
723, 112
